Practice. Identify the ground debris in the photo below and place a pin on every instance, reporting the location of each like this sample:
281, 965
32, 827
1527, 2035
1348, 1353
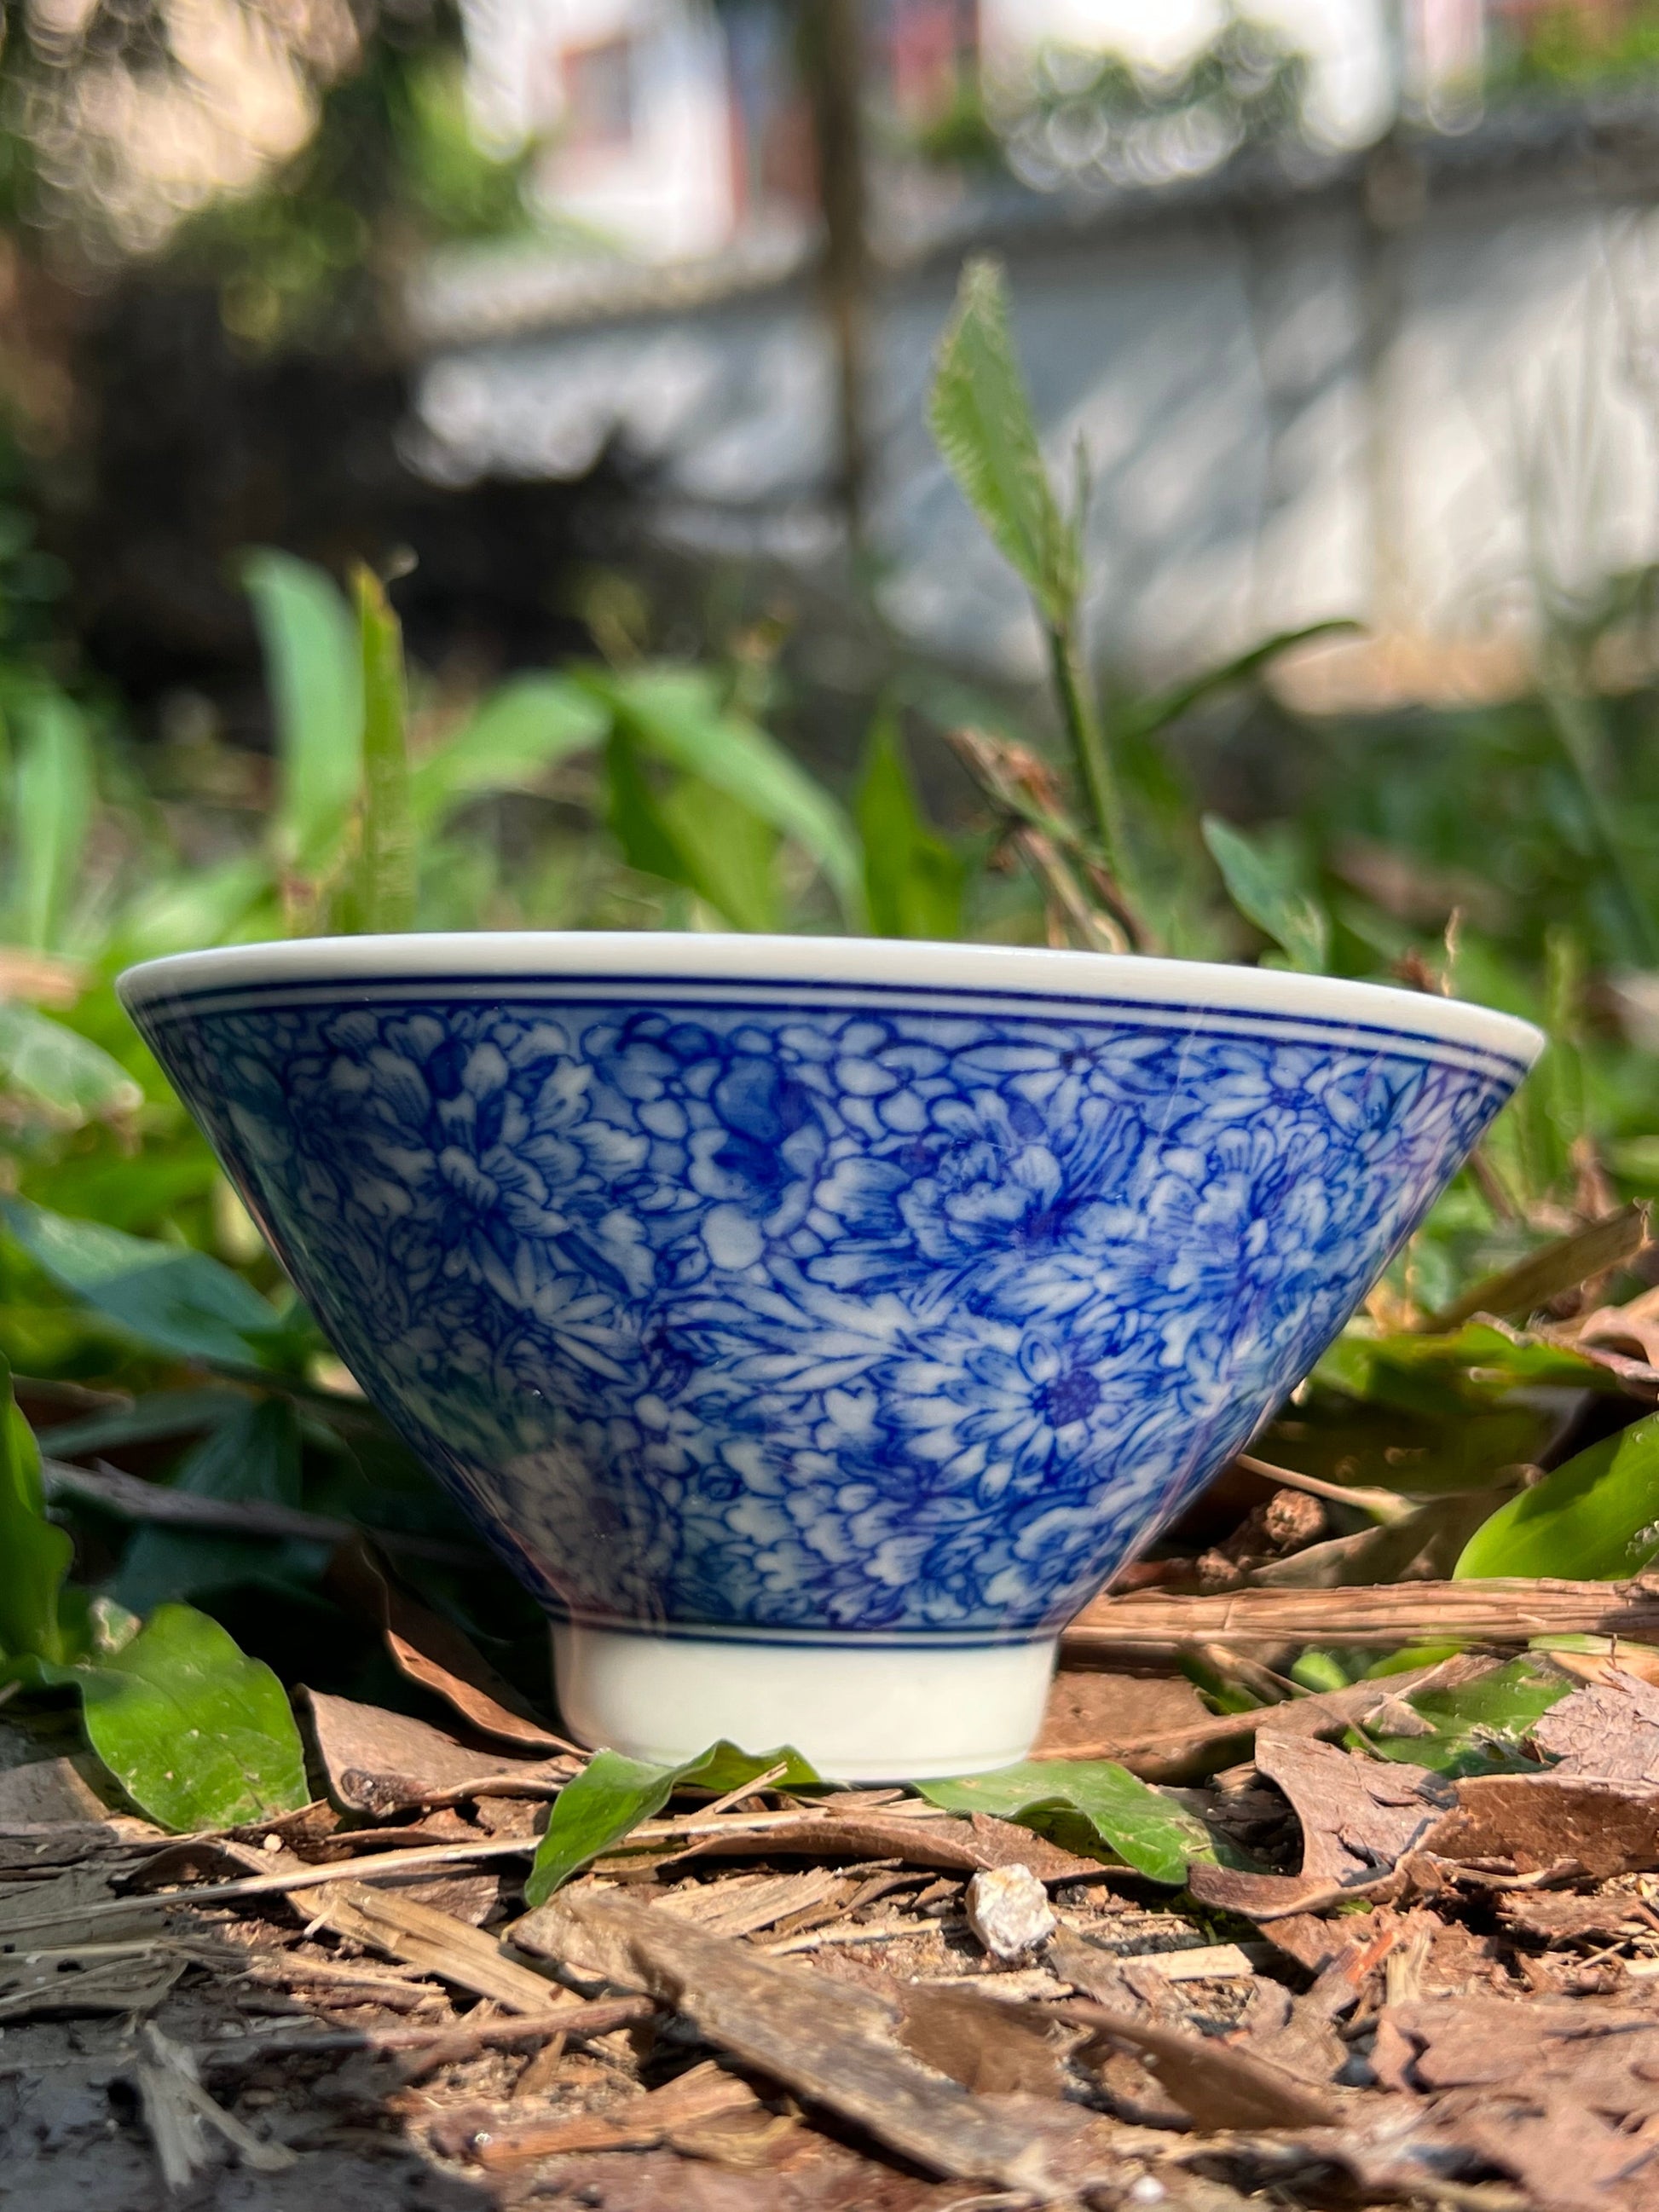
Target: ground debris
1008, 1910
381, 1763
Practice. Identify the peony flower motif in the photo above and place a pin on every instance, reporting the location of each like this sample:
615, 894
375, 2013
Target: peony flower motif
872, 1320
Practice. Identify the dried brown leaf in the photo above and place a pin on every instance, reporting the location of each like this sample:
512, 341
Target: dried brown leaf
434, 1653
379, 1762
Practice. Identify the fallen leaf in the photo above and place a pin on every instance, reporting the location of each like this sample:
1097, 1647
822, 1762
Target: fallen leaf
612, 1796
669, 2115
953, 1846
434, 1653
992, 2048
1088, 1711
1147, 1829
380, 1762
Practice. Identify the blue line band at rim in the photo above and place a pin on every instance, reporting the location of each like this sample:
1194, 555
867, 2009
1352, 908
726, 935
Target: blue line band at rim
1008, 972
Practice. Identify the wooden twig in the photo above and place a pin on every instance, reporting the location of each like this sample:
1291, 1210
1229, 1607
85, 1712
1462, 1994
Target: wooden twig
1501, 1611
132, 1499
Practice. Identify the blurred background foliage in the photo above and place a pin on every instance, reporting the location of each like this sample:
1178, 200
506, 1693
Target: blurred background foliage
204, 425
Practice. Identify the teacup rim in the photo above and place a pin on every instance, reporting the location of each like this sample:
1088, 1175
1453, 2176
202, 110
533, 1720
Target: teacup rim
1018, 971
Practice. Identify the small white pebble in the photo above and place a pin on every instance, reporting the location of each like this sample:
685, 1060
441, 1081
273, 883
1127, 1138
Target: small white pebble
1146, 2190
272, 1844
1008, 1911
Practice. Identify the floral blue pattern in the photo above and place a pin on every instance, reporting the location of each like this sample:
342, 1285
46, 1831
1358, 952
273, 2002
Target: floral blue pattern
884, 1318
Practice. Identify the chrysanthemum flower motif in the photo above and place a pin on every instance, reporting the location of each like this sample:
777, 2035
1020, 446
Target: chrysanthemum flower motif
849, 1319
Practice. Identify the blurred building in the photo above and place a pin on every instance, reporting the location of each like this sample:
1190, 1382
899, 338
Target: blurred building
1412, 381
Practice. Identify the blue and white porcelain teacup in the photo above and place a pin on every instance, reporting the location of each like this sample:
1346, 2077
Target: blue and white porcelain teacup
816, 1325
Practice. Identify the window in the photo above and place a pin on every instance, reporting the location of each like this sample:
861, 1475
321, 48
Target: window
599, 95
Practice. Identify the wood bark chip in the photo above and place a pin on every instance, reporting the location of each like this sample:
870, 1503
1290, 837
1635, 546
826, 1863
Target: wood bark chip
1537, 1822
679, 2114
1217, 2086
1499, 1611
381, 1763
1199, 1747
1608, 1732
830, 2042
1358, 1816
437, 1943
178, 2112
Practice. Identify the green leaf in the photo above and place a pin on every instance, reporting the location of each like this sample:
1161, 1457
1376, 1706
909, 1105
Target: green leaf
51, 802
1453, 1372
508, 743
676, 715
252, 1457
1261, 885
981, 421
612, 1794
314, 671
1478, 1726
385, 865
165, 1296
1145, 717
1146, 1829
198, 1734
35, 1556
728, 854
912, 882
1596, 1519
56, 1067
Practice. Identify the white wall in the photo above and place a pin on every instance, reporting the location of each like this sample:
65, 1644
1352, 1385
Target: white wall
667, 194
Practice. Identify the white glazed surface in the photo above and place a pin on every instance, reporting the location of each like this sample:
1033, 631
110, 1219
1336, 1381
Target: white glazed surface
886, 1714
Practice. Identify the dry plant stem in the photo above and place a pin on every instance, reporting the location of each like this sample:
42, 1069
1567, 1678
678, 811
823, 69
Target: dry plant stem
993, 769
1562, 1266
1502, 1611
388, 1865
1380, 1505
1097, 932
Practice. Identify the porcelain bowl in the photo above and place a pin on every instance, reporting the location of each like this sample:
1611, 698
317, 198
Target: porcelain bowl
816, 1325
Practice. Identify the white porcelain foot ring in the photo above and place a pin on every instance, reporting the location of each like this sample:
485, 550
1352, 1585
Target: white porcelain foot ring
858, 1713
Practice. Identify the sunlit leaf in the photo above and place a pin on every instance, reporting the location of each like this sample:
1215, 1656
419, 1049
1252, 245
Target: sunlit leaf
198, 1734
730, 855
612, 1794
51, 810
675, 714
35, 1556
57, 1068
1139, 1824
384, 873
1596, 1519
1477, 1727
